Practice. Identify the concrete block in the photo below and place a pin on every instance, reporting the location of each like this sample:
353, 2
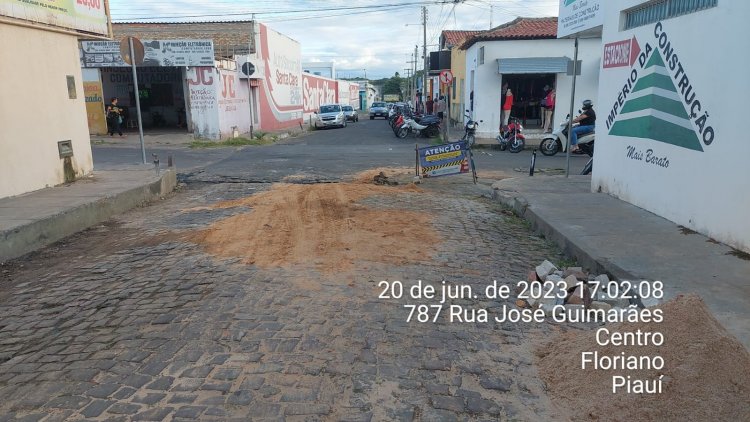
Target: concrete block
571, 282
544, 269
600, 305
575, 271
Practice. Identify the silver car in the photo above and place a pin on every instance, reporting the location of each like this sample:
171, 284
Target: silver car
350, 113
330, 115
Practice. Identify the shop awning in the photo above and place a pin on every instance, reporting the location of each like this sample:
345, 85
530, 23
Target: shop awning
533, 65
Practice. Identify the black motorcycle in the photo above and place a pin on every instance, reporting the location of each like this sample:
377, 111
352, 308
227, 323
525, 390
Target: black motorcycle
470, 129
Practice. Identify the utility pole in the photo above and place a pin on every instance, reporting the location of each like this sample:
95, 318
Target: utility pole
407, 84
424, 50
411, 74
414, 79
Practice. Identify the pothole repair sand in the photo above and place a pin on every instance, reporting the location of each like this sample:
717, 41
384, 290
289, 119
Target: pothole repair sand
707, 371
321, 226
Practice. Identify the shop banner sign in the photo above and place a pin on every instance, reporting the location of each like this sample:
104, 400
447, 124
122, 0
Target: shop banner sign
95, 107
443, 160
577, 16
76, 15
158, 53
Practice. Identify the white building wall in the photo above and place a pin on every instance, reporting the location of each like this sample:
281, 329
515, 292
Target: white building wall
488, 82
709, 190
36, 111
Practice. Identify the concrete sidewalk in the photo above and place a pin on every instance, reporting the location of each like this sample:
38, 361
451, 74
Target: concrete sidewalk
611, 236
36, 219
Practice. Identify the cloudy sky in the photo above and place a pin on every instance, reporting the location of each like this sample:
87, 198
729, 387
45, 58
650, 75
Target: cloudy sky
372, 36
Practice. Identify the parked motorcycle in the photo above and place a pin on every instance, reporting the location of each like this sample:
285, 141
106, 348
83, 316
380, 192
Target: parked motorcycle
511, 137
557, 141
410, 126
470, 129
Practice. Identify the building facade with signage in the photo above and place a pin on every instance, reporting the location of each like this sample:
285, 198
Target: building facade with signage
44, 137
526, 54
232, 77
670, 138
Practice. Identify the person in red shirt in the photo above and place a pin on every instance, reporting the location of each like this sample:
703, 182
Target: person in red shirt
549, 108
507, 106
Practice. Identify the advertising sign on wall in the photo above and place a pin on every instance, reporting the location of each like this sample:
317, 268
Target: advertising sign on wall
280, 96
202, 85
95, 107
317, 90
234, 103
157, 53
77, 15
577, 16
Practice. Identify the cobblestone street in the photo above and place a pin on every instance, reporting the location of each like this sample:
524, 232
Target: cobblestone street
127, 322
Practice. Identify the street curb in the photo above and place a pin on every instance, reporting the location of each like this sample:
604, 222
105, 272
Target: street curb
570, 247
19, 241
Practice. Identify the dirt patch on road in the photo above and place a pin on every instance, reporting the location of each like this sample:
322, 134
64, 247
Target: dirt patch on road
706, 371
320, 225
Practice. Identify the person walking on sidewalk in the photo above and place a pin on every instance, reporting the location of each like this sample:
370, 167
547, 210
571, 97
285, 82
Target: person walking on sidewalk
549, 108
507, 106
429, 105
586, 123
440, 107
114, 117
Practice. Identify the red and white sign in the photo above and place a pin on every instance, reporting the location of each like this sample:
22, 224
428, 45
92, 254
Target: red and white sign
317, 90
620, 53
446, 77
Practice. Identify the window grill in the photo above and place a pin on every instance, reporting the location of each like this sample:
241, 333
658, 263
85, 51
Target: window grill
656, 11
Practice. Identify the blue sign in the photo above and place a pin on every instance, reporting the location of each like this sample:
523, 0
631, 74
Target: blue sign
444, 160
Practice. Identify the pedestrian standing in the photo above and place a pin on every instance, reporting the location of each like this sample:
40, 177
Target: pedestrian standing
549, 109
507, 106
430, 105
441, 107
114, 117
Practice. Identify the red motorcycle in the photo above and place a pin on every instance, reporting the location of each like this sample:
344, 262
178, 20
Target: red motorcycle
511, 137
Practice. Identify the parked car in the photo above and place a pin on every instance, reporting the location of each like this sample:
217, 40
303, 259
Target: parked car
378, 109
350, 113
330, 115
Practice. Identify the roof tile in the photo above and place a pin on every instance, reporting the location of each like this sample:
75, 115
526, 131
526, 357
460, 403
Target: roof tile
517, 29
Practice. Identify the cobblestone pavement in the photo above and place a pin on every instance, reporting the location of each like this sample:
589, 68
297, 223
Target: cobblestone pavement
126, 322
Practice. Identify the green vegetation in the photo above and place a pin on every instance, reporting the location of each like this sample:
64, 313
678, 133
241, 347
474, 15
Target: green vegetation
259, 138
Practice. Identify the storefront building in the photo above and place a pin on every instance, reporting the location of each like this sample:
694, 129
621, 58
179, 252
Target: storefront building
669, 139
526, 55
44, 137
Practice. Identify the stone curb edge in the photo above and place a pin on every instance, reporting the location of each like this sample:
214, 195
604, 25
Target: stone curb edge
570, 247
19, 241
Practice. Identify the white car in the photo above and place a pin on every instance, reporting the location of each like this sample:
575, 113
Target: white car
330, 115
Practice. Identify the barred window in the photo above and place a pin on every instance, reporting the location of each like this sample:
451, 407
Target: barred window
655, 11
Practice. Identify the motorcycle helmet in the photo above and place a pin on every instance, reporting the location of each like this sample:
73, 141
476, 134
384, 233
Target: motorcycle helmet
587, 104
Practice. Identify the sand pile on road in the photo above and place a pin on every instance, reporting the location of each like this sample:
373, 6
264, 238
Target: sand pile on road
322, 226
707, 371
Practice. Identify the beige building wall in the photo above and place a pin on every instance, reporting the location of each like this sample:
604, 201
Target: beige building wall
36, 111
458, 69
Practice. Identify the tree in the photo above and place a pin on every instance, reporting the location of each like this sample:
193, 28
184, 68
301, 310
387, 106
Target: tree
393, 85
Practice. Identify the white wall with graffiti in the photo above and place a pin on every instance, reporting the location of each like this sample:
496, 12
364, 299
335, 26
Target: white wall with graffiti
670, 133
219, 102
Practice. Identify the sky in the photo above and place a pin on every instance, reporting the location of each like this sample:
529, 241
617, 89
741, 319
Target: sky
372, 38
